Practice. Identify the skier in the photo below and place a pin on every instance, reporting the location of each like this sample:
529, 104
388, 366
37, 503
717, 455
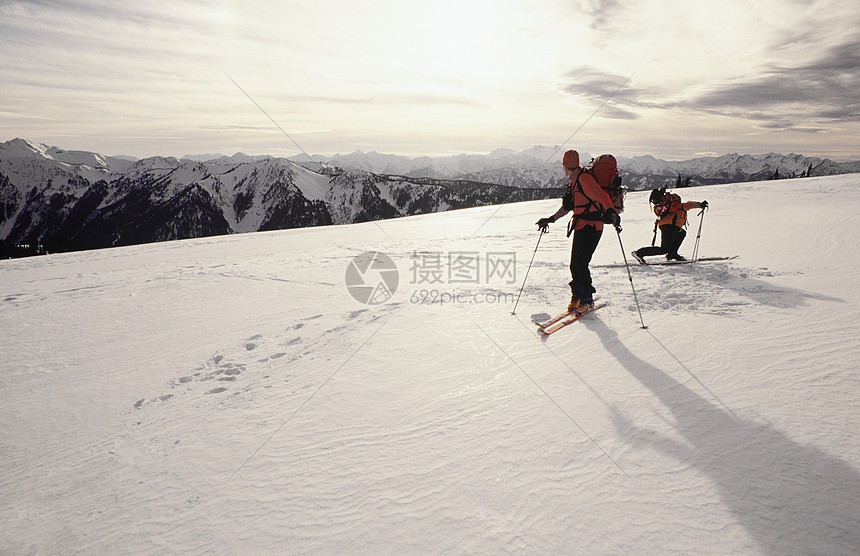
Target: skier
591, 206
671, 219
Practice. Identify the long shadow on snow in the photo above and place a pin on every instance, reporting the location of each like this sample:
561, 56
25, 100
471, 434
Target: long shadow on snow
791, 498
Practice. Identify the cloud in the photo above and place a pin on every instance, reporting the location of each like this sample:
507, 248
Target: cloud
596, 87
785, 125
601, 12
803, 98
116, 12
824, 90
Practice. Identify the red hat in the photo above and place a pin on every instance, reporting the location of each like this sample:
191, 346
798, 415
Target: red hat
570, 160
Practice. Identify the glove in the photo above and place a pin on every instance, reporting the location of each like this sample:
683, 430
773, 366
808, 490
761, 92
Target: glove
543, 224
704, 204
611, 217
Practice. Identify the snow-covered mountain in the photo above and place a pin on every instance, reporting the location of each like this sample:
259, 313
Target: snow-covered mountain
736, 168
71, 199
229, 395
87, 200
538, 167
535, 167
64, 200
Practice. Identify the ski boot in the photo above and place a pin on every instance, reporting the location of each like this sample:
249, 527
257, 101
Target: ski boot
581, 299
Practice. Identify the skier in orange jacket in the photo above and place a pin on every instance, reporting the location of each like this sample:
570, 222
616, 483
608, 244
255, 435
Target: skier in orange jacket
671, 219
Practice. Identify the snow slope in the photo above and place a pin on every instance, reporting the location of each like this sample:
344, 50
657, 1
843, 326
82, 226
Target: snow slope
228, 395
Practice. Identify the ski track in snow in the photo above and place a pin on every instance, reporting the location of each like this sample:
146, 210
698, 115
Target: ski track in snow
226, 395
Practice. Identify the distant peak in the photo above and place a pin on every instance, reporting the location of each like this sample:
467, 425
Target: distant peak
23, 147
202, 157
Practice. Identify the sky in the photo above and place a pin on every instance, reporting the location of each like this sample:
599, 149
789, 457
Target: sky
675, 79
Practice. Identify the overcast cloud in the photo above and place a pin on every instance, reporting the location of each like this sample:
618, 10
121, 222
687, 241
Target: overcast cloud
445, 77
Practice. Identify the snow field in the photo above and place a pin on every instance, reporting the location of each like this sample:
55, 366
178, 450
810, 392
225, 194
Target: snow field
228, 395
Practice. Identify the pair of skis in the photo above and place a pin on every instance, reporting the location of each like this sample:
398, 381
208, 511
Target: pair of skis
556, 323
699, 260
665, 262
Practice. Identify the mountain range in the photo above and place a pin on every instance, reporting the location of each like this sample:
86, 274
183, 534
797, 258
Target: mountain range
538, 167
57, 200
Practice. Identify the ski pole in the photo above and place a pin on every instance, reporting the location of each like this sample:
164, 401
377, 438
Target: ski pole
542, 232
698, 236
630, 276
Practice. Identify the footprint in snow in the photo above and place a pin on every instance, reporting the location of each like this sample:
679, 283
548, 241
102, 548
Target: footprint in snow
251, 343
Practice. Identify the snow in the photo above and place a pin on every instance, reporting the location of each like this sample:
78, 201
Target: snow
227, 395
313, 186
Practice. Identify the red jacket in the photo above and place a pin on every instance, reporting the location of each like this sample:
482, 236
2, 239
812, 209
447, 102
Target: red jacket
588, 196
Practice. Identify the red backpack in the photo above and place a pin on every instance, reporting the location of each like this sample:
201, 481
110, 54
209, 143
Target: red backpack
604, 170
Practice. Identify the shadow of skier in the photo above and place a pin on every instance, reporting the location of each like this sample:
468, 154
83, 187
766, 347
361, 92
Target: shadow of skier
791, 498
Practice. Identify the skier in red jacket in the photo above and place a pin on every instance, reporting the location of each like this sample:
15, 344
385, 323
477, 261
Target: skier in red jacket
588, 201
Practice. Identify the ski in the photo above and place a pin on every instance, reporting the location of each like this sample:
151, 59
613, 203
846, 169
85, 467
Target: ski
557, 323
665, 262
699, 260
549, 322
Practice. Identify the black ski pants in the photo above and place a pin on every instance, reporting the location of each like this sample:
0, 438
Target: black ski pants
585, 242
671, 238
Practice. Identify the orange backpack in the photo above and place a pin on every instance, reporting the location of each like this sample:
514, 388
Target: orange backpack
670, 202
